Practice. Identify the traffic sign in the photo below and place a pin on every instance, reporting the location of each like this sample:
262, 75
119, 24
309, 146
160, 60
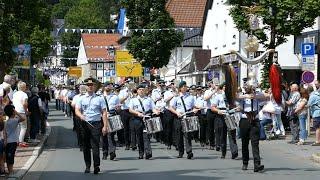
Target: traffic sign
307, 49
75, 71
147, 73
307, 77
308, 67
308, 60
126, 65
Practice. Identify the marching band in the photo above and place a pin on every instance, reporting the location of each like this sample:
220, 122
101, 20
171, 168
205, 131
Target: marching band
125, 115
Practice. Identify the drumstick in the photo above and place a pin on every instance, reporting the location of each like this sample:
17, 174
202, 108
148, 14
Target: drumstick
89, 124
186, 113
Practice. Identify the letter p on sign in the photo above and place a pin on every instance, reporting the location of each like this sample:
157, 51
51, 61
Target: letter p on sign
307, 49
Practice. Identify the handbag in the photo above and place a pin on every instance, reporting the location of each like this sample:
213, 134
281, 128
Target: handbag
269, 108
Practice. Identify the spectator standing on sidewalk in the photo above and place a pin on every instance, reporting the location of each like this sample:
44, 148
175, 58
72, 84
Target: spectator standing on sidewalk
36, 113
11, 134
314, 105
45, 99
292, 117
57, 97
20, 102
302, 112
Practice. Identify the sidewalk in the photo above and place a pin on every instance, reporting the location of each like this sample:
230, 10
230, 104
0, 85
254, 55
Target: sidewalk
299, 151
26, 156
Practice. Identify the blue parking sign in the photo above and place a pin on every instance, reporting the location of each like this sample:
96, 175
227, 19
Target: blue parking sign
307, 49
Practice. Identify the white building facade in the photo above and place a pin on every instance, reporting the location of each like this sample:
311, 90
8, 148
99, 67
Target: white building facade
221, 36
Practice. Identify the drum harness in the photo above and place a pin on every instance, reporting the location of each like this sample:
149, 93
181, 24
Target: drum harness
187, 113
146, 114
251, 116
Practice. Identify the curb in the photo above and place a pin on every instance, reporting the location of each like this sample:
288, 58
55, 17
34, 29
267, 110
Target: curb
35, 154
316, 158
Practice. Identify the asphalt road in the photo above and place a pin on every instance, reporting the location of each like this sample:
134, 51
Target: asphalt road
61, 159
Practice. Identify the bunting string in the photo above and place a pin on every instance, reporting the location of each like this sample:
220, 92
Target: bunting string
122, 31
87, 47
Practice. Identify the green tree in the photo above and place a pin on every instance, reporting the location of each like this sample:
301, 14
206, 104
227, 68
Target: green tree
20, 21
151, 48
280, 18
60, 10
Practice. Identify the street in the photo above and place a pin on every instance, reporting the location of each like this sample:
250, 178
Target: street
61, 159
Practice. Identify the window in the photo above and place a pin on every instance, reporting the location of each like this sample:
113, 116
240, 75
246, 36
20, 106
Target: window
93, 66
100, 66
111, 66
106, 66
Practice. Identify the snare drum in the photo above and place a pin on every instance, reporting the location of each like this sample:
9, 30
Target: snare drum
115, 124
190, 124
153, 125
231, 121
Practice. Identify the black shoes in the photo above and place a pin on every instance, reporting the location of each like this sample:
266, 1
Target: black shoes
127, 147
258, 168
87, 170
223, 156
180, 155
292, 142
217, 148
141, 156
148, 156
234, 156
245, 167
190, 155
96, 170
112, 156
134, 148
105, 156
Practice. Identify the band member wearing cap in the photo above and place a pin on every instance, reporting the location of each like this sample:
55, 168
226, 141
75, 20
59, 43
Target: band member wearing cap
180, 105
219, 105
124, 97
89, 109
81, 90
168, 115
250, 127
202, 104
112, 103
208, 95
156, 95
141, 106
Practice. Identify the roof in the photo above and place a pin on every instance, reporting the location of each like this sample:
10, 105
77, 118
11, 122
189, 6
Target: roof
96, 45
187, 13
192, 38
200, 59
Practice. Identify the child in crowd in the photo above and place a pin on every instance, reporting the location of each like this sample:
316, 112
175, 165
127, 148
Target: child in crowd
11, 137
